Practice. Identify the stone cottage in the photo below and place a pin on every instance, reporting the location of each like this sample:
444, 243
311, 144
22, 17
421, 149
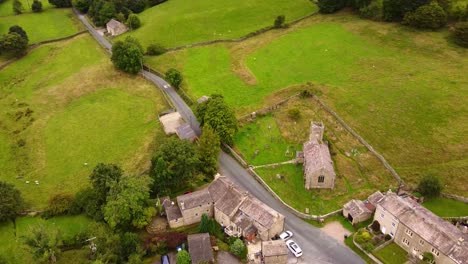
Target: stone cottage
318, 165
115, 28
357, 211
274, 252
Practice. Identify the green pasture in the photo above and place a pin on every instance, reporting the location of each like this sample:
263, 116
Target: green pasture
446, 207
65, 109
6, 8
180, 22
403, 91
50, 24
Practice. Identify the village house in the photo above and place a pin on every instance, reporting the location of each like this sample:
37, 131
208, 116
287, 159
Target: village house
199, 247
417, 230
173, 214
115, 28
318, 165
233, 208
274, 252
357, 211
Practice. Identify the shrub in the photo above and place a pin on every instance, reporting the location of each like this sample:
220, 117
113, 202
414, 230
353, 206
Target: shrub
294, 114
460, 34
36, 6
59, 204
238, 248
362, 237
174, 77
428, 257
20, 31
61, 3
279, 21
372, 11
155, 49
368, 247
430, 16
128, 55
375, 226
133, 21
387, 237
183, 257
430, 186
330, 6
17, 7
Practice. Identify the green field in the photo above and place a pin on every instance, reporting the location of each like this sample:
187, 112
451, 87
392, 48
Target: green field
392, 254
12, 236
403, 91
50, 24
6, 8
55, 119
446, 207
178, 22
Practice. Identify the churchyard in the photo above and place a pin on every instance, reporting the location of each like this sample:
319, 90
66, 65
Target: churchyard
400, 89
167, 24
59, 122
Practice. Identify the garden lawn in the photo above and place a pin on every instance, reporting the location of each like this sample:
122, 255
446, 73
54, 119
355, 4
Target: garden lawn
181, 22
403, 91
58, 122
391, 254
6, 8
446, 207
50, 24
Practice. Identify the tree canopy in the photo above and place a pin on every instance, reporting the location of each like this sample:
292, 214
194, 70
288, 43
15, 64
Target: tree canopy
20, 31
36, 6
174, 77
44, 243
430, 186
128, 55
219, 116
430, 16
208, 151
133, 22
11, 202
103, 177
460, 34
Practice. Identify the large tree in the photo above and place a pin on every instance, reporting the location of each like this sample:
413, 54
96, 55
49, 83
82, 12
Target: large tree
430, 186
174, 77
430, 16
44, 243
36, 6
103, 177
133, 22
173, 165
128, 55
218, 115
13, 43
127, 203
20, 31
208, 151
11, 202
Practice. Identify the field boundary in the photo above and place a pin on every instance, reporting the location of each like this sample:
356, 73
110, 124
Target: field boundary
248, 36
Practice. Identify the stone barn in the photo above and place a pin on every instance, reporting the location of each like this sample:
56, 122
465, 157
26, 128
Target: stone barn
115, 28
275, 252
356, 211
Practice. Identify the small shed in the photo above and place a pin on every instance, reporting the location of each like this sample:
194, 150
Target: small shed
185, 131
357, 211
171, 122
115, 28
275, 252
200, 250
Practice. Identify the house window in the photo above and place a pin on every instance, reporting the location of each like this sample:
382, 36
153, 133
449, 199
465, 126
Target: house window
421, 242
382, 216
321, 178
405, 241
393, 224
409, 232
435, 251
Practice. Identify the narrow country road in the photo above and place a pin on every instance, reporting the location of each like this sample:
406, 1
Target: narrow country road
317, 246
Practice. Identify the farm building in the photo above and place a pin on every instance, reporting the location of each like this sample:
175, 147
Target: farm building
115, 28
199, 247
275, 252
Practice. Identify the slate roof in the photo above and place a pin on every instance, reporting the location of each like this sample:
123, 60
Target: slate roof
226, 195
185, 131
375, 198
259, 212
172, 210
317, 157
114, 24
356, 207
274, 248
195, 199
199, 246
445, 237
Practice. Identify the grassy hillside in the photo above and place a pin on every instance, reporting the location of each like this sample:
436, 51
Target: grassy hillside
180, 22
65, 105
50, 24
403, 91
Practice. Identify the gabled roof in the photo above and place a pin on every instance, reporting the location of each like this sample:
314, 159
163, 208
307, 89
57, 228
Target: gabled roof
259, 212
226, 195
274, 248
317, 157
195, 199
199, 246
114, 24
185, 131
375, 198
444, 236
356, 207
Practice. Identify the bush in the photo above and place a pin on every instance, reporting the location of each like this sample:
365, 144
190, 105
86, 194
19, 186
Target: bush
183, 257
238, 248
36, 6
59, 204
155, 49
17, 7
368, 247
362, 237
133, 21
375, 226
428, 257
430, 186
460, 34
294, 114
372, 11
330, 6
82, 5
61, 3
279, 21
174, 77
430, 16
128, 55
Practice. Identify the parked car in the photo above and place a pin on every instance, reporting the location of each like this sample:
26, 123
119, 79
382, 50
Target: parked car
294, 248
286, 235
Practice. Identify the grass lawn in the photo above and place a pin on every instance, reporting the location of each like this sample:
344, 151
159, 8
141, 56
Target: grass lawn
55, 119
50, 24
12, 246
446, 207
6, 8
180, 22
391, 254
402, 90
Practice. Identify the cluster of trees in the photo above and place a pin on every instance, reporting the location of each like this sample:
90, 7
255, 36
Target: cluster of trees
177, 162
18, 8
15, 42
11, 202
215, 113
127, 55
421, 14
